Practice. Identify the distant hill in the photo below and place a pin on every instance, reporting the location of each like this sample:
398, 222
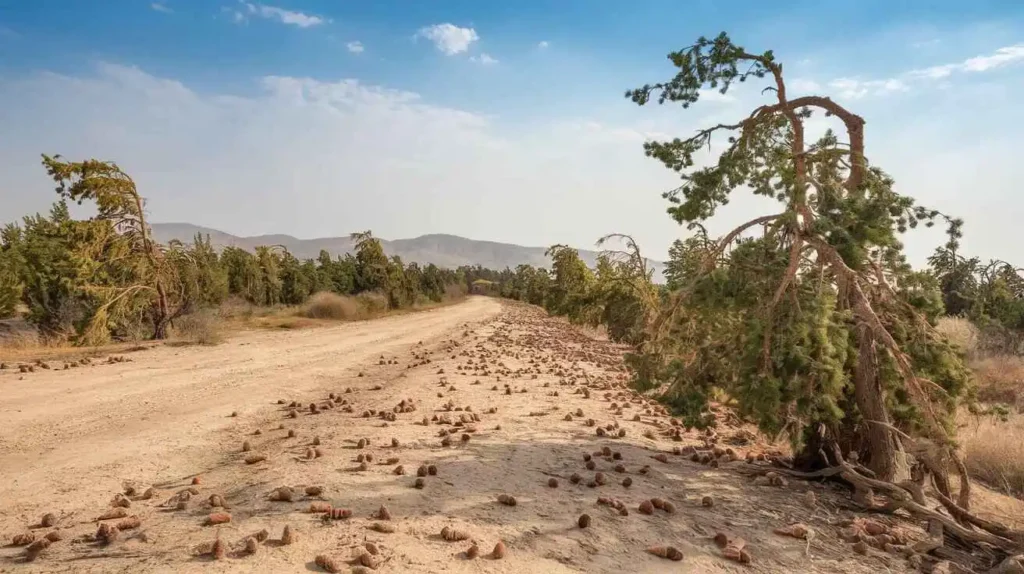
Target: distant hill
449, 251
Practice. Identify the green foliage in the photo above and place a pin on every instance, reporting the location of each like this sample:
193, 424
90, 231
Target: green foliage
817, 324
10, 280
990, 295
571, 283
372, 267
89, 281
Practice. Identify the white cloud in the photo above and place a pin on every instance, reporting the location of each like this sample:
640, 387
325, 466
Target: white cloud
802, 85
449, 38
288, 17
356, 47
324, 158
159, 7
543, 44
484, 59
853, 88
860, 88
1001, 57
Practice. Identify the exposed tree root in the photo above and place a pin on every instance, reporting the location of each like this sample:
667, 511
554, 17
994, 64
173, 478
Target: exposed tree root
990, 543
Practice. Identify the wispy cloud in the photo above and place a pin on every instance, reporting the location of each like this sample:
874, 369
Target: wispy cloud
160, 7
543, 44
484, 59
289, 17
1001, 57
256, 162
853, 88
356, 47
449, 38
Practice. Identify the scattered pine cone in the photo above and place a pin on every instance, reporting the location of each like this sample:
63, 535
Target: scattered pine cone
36, 548
282, 494
218, 518
669, 552
106, 533
646, 507
130, 523
113, 513
328, 564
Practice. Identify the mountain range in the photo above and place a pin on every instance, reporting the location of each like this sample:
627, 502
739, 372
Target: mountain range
443, 250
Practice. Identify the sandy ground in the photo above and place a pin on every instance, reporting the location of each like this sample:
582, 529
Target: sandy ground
502, 378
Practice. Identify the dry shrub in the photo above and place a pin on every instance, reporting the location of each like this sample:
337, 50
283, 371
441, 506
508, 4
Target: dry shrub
373, 303
454, 292
994, 452
327, 305
198, 328
21, 339
1000, 378
961, 332
235, 308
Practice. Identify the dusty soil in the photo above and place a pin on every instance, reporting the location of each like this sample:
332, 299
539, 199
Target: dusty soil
513, 390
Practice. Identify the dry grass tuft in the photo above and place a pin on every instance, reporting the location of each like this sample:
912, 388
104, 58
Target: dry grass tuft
198, 329
327, 305
994, 452
961, 333
1000, 379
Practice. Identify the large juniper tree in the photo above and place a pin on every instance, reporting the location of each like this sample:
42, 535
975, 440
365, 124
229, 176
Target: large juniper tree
816, 326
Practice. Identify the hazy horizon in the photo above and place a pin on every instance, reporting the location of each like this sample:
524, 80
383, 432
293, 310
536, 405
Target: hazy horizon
491, 122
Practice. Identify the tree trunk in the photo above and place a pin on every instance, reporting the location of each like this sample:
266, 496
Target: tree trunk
884, 453
163, 314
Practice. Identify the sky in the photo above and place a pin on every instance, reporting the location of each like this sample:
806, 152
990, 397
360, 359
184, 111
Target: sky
501, 121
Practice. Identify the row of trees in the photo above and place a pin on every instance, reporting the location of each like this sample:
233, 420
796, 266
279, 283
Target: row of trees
91, 280
990, 294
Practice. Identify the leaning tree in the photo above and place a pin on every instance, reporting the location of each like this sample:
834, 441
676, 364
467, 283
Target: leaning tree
815, 326
143, 272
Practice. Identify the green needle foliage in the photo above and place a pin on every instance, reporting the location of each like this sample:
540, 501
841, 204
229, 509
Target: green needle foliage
105, 278
817, 326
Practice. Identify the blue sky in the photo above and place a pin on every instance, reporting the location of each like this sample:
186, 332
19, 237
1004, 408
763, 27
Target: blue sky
493, 120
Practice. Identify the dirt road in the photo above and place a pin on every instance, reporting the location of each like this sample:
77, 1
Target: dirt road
499, 398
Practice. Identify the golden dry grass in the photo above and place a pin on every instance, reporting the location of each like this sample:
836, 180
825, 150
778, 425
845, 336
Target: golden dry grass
326, 305
210, 327
961, 333
994, 451
1000, 379
201, 328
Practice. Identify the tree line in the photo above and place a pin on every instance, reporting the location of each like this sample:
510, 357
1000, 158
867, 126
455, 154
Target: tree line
90, 281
